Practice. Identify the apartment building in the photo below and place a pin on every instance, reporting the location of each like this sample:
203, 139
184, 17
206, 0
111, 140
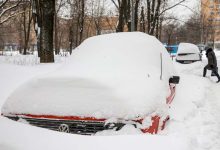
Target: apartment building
210, 12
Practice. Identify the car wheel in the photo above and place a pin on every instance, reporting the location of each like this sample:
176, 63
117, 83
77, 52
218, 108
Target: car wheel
64, 128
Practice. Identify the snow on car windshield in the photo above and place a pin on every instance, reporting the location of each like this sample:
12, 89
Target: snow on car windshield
187, 48
114, 75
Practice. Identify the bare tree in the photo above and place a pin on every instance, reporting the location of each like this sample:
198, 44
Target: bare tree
7, 10
97, 14
124, 8
81, 20
76, 25
43, 11
169, 30
187, 31
142, 20
26, 24
59, 5
156, 9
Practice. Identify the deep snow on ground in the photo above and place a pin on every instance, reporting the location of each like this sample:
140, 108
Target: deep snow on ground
194, 123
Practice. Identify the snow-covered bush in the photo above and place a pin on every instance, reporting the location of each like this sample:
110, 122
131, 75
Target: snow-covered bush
22, 59
28, 60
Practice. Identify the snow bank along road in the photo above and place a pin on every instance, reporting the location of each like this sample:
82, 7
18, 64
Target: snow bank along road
196, 110
194, 123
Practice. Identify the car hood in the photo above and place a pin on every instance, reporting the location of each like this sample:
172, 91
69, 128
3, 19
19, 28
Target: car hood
124, 98
185, 48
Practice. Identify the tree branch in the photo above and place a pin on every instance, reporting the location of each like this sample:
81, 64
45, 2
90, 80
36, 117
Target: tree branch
11, 16
3, 3
9, 8
172, 7
113, 1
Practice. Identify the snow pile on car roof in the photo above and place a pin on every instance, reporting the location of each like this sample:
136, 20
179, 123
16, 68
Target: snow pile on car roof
114, 75
188, 48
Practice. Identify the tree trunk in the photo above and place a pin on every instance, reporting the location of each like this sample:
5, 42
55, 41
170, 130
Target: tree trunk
77, 31
155, 17
25, 33
60, 40
120, 26
142, 20
148, 16
37, 13
82, 21
56, 34
169, 39
27, 26
157, 28
127, 13
48, 9
136, 14
160, 28
20, 39
71, 38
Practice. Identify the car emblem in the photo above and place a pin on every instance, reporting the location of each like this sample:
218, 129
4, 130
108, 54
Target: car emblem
64, 128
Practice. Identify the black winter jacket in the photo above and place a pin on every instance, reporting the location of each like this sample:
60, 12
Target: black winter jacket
212, 62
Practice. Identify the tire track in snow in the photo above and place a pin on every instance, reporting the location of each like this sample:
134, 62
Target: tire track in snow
214, 112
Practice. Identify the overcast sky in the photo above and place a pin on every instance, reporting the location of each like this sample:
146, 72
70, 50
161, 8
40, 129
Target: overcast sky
179, 11
183, 12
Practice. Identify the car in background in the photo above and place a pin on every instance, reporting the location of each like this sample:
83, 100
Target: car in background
172, 50
188, 53
108, 82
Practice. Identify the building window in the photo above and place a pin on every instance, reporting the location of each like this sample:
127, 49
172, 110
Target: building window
212, 13
211, 6
218, 6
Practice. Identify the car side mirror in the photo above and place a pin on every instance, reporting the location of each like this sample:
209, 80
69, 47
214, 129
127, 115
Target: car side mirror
174, 80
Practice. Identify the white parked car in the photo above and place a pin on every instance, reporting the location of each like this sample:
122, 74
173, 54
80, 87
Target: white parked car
188, 53
109, 81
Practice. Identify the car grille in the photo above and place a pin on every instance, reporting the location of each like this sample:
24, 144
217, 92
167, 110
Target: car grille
75, 127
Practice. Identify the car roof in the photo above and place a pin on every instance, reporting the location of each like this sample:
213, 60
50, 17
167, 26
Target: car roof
188, 48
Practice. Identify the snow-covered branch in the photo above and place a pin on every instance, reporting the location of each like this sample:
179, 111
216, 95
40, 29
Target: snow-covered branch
10, 16
7, 10
2, 4
115, 4
168, 8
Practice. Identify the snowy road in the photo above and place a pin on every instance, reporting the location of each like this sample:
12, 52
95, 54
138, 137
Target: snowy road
195, 112
194, 124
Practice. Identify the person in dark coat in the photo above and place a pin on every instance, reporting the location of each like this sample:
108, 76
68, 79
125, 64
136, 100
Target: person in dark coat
212, 63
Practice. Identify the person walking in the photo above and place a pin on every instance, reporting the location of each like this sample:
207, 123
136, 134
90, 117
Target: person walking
212, 63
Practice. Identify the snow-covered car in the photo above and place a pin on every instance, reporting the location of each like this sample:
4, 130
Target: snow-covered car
109, 81
188, 53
